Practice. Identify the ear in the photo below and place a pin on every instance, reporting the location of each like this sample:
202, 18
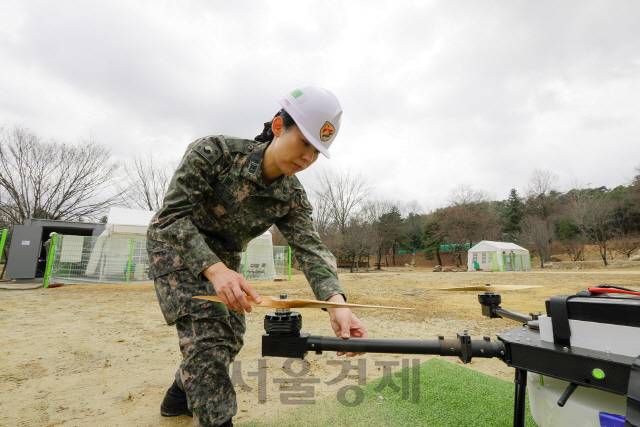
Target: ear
277, 126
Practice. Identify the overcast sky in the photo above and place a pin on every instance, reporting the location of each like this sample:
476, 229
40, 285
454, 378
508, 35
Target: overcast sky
435, 94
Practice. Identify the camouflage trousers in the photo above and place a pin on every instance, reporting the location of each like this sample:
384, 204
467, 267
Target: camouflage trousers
210, 337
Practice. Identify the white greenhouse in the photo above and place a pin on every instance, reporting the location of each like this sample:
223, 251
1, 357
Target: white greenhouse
498, 256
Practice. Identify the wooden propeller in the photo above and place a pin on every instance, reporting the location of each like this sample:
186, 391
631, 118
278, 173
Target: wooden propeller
490, 288
273, 302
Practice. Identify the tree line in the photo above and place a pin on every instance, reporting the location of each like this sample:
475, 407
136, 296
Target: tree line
80, 181
356, 225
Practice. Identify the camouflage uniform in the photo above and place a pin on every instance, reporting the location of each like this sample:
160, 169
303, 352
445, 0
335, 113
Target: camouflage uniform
216, 203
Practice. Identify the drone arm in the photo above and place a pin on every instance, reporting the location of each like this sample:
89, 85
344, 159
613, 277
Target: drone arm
508, 314
284, 339
372, 345
463, 346
490, 303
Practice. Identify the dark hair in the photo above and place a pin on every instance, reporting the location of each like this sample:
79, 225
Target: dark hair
267, 134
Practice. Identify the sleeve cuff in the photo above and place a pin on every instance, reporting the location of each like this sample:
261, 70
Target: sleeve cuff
327, 289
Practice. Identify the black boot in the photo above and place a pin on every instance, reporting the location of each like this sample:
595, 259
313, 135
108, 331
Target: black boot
175, 403
229, 423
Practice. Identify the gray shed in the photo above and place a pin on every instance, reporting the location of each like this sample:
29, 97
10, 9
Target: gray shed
27, 256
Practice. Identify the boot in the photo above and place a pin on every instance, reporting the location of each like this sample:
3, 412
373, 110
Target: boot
175, 403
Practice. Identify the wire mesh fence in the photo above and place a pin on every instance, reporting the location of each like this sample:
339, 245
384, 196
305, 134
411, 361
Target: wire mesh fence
511, 262
521, 262
103, 259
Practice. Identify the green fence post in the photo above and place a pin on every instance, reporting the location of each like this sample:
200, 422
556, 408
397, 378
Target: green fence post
52, 251
2, 240
130, 259
289, 250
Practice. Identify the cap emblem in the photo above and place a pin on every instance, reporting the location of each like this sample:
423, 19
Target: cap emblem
327, 131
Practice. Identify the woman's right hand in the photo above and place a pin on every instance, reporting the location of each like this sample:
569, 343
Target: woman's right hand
231, 287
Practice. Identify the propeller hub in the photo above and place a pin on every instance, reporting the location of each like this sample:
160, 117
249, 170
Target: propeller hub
283, 310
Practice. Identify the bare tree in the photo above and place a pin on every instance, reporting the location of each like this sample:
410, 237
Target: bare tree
54, 181
535, 234
541, 201
148, 180
574, 247
411, 207
468, 223
541, 194
342, 194
321, 215
470, 219
626, 245
463, 194
595, 217
372, 211
359, 240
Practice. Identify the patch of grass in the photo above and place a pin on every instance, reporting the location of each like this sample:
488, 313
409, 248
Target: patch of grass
449, 395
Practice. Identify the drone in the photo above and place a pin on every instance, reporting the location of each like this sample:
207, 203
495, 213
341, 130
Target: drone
588, 341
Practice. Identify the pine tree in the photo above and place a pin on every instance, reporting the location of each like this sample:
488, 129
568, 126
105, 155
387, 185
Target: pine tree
512, 213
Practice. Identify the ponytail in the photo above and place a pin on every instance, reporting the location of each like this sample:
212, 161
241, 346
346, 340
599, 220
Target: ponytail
267, 133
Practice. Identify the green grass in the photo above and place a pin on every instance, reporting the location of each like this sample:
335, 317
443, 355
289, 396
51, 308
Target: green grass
450, 395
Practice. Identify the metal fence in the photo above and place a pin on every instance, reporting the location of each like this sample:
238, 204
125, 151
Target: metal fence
82, 259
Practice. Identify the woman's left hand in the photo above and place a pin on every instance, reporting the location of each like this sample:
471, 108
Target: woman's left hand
345, 324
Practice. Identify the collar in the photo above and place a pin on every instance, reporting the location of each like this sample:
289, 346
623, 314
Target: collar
280, 189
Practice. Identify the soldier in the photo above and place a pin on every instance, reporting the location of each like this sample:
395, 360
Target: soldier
225, 192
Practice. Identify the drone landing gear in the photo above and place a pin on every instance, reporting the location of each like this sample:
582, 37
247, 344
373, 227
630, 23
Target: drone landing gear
520, 400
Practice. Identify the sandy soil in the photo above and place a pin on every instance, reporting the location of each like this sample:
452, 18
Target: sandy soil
101, 355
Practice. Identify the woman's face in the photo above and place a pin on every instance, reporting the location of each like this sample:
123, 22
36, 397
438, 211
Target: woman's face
293, 153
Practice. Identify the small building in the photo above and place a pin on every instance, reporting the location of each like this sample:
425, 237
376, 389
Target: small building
27, 255
498, 256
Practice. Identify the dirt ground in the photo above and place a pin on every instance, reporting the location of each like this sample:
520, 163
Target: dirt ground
101, 355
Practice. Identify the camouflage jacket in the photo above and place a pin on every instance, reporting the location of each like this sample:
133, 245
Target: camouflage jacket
217, 202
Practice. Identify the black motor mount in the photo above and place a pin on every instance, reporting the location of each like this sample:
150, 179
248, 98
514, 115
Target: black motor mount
285, 323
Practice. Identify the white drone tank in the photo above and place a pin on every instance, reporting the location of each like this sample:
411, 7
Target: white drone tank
581, 410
